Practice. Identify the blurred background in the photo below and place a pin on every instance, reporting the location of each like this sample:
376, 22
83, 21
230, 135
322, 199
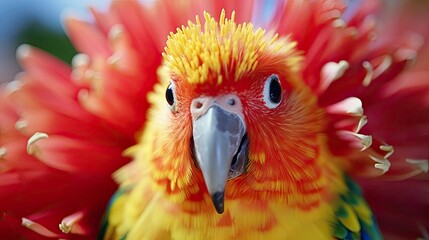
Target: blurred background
39, 23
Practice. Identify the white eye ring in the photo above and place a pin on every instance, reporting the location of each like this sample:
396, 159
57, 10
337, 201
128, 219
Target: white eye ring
272, 93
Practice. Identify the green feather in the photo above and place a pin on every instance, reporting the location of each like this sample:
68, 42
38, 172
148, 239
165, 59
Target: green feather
354, 217
105, 220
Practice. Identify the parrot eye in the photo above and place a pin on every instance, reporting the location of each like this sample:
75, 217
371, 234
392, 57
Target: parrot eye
272, 91
169, 95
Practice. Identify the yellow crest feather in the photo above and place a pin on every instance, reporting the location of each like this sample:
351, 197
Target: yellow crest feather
222, 49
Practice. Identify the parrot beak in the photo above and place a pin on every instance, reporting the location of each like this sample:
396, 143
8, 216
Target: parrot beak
217, 135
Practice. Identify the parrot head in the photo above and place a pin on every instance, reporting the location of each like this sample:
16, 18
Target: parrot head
238, 106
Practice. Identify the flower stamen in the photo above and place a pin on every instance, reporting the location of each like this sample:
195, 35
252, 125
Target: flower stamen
387, 148
332, 71
382, 163
80, 60
355, 106
37, 228
369, 73
21, 124
70, 224
365, 140
333, 14
384, 65
115, 33
64, 227
362, 122
33, 139
23, 51
13, 86
351, 106
422, 164
82, 95
339, 23
80, 64
113, 59
3, 152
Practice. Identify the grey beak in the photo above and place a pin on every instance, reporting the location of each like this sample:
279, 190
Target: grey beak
217, 136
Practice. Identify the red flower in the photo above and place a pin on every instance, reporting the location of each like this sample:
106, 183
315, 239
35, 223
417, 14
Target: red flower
63, 129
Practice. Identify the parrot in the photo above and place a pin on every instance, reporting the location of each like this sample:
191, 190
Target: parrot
266, 120
235, 147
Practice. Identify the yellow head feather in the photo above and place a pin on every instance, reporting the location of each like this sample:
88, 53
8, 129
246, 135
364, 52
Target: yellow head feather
222, 49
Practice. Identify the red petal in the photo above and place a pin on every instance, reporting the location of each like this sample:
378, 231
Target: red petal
87, 38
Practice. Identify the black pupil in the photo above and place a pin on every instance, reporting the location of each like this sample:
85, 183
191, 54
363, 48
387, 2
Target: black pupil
275, 90
169, 95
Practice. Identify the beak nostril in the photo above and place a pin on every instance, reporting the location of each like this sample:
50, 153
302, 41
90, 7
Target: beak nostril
231, 101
